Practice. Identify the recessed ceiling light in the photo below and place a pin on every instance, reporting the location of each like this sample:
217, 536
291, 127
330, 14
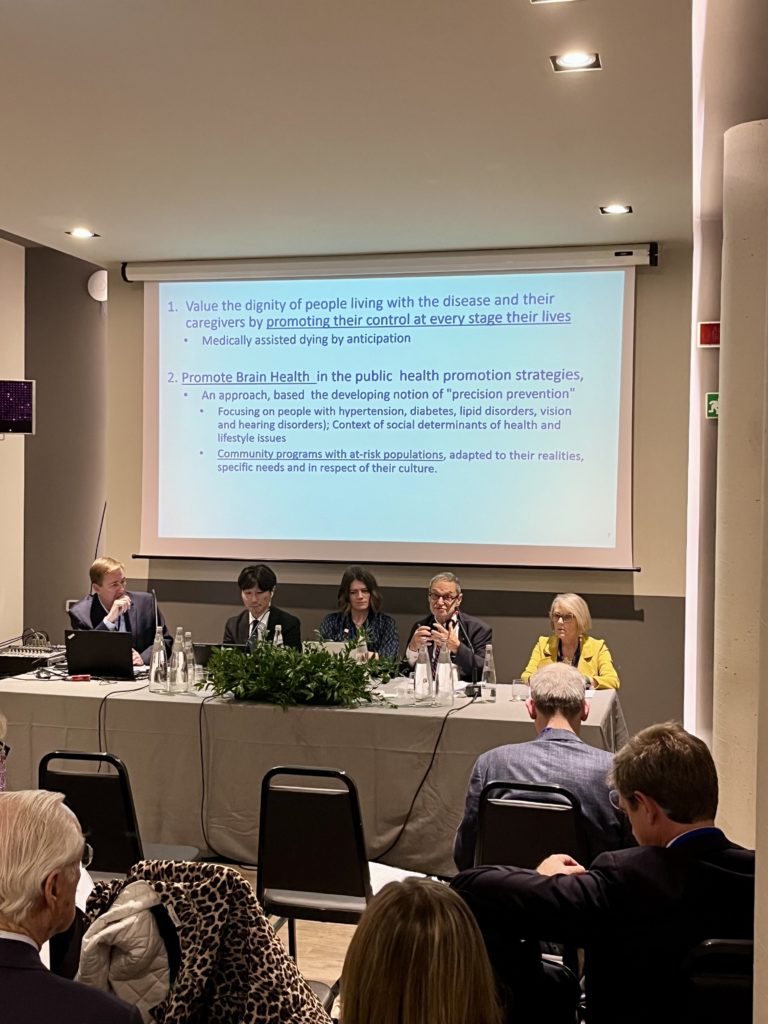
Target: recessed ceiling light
552, 1
576, 60
82, 233
616, 208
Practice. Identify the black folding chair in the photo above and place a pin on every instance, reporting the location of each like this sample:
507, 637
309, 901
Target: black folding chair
719, 981
312, 861
103, 804
521, 831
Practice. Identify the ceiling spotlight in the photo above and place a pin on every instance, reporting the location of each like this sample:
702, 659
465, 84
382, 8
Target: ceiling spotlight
615, 208
551, 1
82, 233
576, 60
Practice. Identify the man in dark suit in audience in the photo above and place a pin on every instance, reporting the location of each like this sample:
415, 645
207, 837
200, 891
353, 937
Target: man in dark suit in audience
464, 636
557, 756
637, 913
110, 606
257, 587
41, 848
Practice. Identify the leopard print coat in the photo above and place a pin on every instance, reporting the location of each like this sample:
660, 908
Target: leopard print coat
234, 969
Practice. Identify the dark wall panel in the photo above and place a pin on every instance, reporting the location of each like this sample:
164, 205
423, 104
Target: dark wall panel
65, 468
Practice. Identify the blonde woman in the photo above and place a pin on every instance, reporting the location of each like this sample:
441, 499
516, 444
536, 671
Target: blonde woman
571, 643
417, 956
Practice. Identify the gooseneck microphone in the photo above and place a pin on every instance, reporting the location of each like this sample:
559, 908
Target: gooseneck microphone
154, 602
471, 689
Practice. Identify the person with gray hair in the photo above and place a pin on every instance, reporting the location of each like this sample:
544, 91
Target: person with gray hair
41, 851
558, 756
464, 636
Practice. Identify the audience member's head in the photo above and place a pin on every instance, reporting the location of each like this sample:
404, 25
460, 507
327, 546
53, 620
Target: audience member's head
417, 957
557, 697
666, 781
366, 581
41, 847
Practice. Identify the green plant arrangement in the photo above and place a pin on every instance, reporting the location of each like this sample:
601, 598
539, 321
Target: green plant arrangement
285, 676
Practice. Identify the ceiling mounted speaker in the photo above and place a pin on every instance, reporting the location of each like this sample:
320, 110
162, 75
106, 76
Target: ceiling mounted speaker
97, 285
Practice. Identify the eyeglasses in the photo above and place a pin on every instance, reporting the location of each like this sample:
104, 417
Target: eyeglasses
445, 598
87, 858
565, 616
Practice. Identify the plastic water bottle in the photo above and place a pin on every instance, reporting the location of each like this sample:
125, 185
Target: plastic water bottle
444, 684
488, 680
158, 664
277, 640
178, 679
189, 650
422, 677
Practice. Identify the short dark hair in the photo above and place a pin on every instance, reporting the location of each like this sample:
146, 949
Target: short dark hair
356, 573
673, 767
259, 576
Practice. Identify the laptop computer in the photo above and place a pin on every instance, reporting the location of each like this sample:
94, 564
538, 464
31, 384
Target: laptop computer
99, 652
203, 651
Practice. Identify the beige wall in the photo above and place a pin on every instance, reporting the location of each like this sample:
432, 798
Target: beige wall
11, 448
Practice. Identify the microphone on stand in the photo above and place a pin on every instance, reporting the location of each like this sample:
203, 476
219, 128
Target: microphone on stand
471, 689
154, 601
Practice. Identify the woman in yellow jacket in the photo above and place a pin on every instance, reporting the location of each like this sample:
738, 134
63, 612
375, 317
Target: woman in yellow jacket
571, 643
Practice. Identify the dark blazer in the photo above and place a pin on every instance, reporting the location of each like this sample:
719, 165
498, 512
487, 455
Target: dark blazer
474, 634
558, 757
89, 614
30, 994
236, 629
636, 913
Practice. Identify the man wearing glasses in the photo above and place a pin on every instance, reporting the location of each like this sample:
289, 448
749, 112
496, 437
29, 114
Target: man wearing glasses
445, 626
41, 851
637, 913
257, 587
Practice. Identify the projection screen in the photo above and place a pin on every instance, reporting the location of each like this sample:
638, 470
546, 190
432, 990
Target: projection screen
463, 416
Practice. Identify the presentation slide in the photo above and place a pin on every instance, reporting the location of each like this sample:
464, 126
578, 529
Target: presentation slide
470, 418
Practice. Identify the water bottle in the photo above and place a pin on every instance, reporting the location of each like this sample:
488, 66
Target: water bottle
422, 676
488, 680
158, 664
189, 650
178, 679
277, 640
444, 685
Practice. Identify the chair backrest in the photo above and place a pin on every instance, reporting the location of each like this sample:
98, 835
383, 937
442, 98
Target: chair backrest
719, 981
521, 830
311, 834
102, 801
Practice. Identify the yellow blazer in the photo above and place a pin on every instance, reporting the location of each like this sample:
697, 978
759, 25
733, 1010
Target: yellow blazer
594, 661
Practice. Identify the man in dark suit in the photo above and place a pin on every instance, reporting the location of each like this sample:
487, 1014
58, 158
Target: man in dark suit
257, 586
41, 848
110, 606
637, 913
558, 756
464, 636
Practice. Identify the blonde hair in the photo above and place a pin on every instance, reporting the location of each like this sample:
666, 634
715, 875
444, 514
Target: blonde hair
38, 835
418, 956
101, 567
578, 607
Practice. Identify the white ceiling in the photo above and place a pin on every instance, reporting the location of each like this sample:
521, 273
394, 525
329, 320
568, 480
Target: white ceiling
223, 128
